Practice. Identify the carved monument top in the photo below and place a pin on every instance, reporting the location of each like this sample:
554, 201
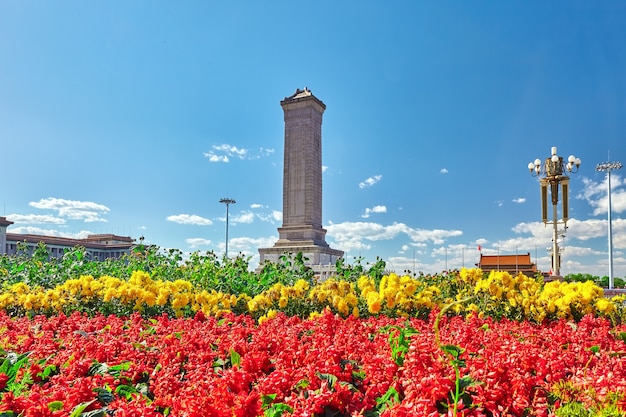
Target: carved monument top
304, 94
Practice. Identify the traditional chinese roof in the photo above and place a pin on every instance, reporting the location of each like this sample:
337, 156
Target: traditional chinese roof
495, 260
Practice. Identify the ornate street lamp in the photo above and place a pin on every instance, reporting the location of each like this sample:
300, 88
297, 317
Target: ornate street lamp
227, 201
608, 167
554, 172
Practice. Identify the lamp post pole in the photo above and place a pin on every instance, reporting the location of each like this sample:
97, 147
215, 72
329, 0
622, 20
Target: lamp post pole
608, 167
227, 201
554, 172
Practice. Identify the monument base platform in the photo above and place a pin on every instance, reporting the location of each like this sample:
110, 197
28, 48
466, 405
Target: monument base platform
321, 259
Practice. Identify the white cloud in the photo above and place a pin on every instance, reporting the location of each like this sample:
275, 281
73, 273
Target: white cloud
519, 200
444, 170
34, 219
596, 194
216, 158
223, 153
266, 152
262, 213
353, 235
231, 150
582, 230
243, 217
324, 168
248, 247
375, 209
189, 219
195, 242
74, 210
370, 181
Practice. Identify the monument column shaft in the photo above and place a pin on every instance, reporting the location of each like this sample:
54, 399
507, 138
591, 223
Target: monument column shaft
302, 172
302, 230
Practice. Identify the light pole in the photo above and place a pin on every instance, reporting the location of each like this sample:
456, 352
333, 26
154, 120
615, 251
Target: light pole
608, 167
555, 172
227, 201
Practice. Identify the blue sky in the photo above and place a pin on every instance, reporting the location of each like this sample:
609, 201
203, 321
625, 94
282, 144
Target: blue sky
135, 118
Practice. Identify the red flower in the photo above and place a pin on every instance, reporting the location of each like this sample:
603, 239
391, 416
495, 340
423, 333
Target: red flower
4, 378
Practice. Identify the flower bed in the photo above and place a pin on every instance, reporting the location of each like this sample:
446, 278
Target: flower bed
327, 365
498, 294
376, 345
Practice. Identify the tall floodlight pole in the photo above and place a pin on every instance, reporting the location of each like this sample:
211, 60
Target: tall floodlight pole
554, 172
227, 201
608, 167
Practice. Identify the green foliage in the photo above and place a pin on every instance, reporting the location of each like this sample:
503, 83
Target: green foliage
399, 341
205, 270
388, 400
572, 410
352, 272
271, 409
601, 281
10, 366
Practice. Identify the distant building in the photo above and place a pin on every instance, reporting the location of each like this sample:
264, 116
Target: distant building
513, 264
98, 247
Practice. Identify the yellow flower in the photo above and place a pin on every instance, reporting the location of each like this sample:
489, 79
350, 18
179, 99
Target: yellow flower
271, 313
149, 298
19, 288
373, 305
180, 301
282, 302
342, 307
605, 306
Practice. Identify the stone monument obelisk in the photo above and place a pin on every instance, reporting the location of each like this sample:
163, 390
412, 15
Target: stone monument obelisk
302, 185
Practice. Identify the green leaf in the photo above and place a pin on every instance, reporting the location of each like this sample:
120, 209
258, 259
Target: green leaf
277, 410
595, 348
389, 399
220, 364
12, 363
104, 395
330, 378
116, 370
47, 372
452, 350
358, 375
348, 385
125, 391
78, 410
267, 399
98, 368
235, 358
458, 363
466, 382
302, 384
55, 405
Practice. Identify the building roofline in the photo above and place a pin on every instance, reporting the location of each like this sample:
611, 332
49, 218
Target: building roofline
89, 242
5, 222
